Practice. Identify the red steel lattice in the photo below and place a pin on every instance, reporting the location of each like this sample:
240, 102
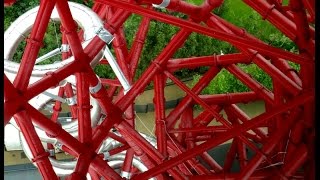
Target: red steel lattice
287, 125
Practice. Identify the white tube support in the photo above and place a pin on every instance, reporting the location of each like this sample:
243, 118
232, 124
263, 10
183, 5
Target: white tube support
116, 69
48, 55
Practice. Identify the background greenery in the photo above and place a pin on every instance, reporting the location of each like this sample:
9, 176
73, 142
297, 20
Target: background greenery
159, 34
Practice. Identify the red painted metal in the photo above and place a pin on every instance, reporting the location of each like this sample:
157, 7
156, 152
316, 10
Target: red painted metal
184, 139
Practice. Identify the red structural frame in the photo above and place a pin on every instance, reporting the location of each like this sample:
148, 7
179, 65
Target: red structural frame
289, 116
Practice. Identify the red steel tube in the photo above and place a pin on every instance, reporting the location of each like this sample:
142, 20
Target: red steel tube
275, 73
33, 45
138, 143
241, 147
231, 155
206, 117
199, 129
214, 60
174, 145
210, 32
206, 106
230, 98
281, 22
40, 156
280, 63
137, 45
229, 134
51, 80
244, 118
69, 94
127, 163
73, 144
11, 104
252, 84
167, 52
159, 100
269, 145
203, 82
303, 39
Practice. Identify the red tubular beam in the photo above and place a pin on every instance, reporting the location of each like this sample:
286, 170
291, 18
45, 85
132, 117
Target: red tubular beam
275, 73
207, 107
102, 167
159, 100
69, 94
112, 25
268, 12
195, 12
308, 96
137, 45
64, 55
203, 82
138, 151
51, 80
110, 82
83, 97
117, 138
187, 117
121, 51
269, 145
34, 43
11, 104
70, 142
230, 98
211, 162
241, 147
200, 169
40, 156
310, 6
244, 118
138, 143
57, 106
176, 42
205, 129
206, 117
215, 60
263, 48
119, 149
93, 174
83, 105
252, 84
280, 63
70, 28
231, 155
303, 40
127, 163
296, 160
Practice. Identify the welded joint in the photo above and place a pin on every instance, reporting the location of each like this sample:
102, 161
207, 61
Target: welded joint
104, 35
72, 100
163, 4
125, 174
41, 157
65, 48
96, 88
